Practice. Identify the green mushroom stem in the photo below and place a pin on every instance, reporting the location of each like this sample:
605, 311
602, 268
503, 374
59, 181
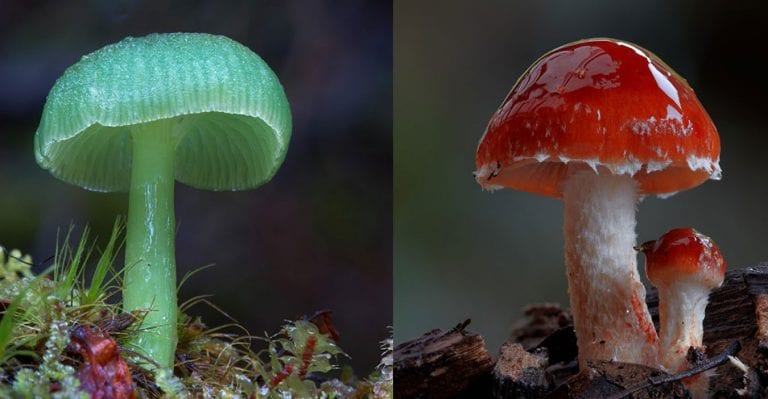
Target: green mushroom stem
150, 275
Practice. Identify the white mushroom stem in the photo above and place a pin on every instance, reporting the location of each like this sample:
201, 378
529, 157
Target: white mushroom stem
681, 317
610, 316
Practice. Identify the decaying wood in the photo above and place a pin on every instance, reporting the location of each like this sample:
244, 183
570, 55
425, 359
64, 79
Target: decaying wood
558, 365
540, 322
521, 374
442, 364
539, 359
611, 379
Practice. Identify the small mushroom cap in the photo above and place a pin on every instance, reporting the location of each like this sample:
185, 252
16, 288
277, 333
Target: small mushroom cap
232, 117
684, 255
605, 104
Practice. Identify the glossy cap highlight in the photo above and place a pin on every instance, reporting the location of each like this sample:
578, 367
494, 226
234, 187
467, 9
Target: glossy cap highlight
604, 104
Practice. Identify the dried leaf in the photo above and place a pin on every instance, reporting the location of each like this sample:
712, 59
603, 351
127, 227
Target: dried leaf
104, 374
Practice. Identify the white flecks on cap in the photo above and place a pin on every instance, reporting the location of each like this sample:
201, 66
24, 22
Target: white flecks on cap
484, 176
655, 166
641, 127
666, 195
707, 164
593, 163
630, 167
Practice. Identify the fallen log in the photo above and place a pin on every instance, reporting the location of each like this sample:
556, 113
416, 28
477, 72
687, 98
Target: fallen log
539, 360
442, 364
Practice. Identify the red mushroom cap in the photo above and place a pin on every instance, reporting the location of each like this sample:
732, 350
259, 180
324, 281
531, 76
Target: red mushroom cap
605, 103
684, 255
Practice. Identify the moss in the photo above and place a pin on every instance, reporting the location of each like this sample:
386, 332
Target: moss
42, 355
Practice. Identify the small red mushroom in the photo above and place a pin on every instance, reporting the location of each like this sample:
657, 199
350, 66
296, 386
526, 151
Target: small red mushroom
600, 123
685, 266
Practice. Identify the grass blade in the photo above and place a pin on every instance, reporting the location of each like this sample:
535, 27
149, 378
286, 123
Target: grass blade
96, 288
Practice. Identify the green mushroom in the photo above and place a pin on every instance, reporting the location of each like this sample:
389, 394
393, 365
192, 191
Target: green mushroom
139, 114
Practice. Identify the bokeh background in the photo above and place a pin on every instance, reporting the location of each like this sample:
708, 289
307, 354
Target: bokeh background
463, 253
319, 235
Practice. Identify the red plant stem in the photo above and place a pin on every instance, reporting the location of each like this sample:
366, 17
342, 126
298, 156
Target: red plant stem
306, 357
282, 375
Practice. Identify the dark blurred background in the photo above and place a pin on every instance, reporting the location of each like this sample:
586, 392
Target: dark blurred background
319, 235
460, 252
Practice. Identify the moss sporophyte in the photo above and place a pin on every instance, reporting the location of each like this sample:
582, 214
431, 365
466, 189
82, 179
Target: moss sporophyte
142, 113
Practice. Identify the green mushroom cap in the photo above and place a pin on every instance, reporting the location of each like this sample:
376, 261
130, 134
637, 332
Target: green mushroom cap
231, 117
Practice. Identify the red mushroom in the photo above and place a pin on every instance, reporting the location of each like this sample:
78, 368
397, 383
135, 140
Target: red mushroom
600, 123
685, 266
